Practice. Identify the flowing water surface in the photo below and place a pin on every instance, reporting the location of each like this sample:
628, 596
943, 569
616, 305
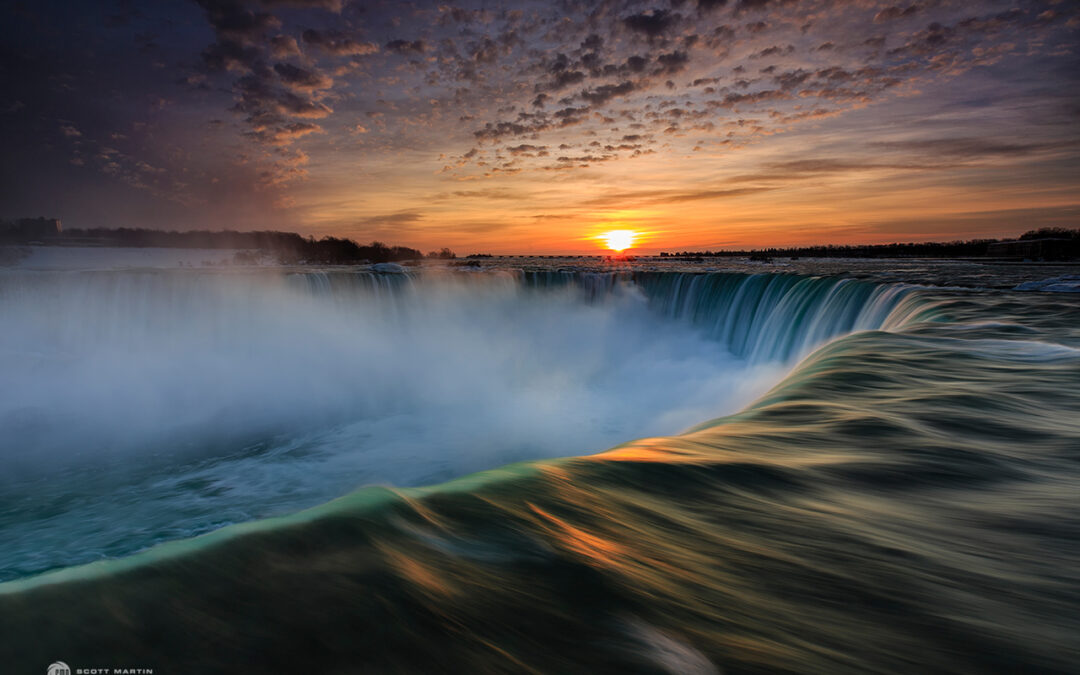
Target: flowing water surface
811, 473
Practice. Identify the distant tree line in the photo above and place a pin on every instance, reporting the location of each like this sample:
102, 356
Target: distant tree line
1048, 243
1051, 233
336, 251
287, 247
26, 230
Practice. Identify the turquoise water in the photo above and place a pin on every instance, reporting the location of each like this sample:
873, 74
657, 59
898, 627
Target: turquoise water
888, 482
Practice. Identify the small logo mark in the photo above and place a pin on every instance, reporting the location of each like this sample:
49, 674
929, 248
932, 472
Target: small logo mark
58, 668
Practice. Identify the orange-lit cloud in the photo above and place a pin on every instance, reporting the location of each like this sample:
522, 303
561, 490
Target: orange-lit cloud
526, 127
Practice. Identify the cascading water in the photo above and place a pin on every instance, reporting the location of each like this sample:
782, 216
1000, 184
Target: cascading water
209, 397
774, 317
902, 500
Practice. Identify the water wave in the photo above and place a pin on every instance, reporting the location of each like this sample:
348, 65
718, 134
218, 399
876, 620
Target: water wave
903, 500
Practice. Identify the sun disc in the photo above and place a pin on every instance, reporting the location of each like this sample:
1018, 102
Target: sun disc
619, 240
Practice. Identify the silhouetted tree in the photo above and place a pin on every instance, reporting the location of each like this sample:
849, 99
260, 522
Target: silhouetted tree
1051, 233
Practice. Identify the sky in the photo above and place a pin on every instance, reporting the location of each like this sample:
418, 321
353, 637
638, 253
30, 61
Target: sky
533, 127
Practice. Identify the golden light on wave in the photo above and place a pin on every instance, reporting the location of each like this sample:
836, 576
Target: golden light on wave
619, 240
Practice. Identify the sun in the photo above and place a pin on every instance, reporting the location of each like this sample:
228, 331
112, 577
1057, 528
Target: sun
619, 240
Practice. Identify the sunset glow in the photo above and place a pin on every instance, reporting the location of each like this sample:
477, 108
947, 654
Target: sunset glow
318, 316
511, 128
619, 240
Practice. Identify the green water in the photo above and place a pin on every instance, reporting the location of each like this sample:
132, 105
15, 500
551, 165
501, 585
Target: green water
903, 501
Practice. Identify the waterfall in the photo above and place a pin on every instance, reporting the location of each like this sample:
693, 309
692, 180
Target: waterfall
759, 317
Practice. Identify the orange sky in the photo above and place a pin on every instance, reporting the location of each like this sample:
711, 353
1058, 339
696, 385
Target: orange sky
531, 127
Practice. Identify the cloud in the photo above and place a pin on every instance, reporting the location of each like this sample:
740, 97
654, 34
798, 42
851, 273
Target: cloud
336, 43
329, 5
562, 79
396, 219
602, 94
971, 148
260, 98
652, 23
710, 5
527, 149
775, 50
672, 62
406, 47
283, 134
630, 198
234, 22
762, 4
484, 51
299, 78
574, 84
894, 12
485, 194
991, 222
230, 55
284, 46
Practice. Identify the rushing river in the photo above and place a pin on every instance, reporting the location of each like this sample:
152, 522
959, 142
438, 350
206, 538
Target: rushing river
809, 473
